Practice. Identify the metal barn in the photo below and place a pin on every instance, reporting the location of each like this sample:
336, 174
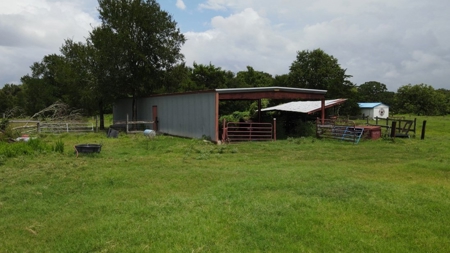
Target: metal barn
374, 110
196, 114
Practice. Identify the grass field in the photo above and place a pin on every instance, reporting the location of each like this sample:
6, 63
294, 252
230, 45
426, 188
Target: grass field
181, 195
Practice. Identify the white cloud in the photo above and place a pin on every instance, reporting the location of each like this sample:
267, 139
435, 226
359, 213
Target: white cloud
240, 40
392, 41
180, 4
32, 29
214, 5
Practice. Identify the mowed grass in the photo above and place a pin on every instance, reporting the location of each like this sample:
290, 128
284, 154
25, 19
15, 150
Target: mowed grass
181, 195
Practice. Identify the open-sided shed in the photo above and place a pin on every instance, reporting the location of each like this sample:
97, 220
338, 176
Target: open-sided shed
196, 114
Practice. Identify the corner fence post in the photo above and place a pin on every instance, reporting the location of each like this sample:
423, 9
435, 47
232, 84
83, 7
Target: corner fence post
394, 125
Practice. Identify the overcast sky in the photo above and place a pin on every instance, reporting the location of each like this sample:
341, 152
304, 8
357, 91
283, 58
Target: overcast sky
396, 42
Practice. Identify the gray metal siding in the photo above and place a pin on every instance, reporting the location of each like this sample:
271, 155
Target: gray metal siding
187, 115
121, 108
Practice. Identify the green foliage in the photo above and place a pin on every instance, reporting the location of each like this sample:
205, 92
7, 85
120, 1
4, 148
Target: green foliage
4, 124
421, 99
11, 97
6, 131
145, 42
372, 92
318, 70
207, 77
58, 147
236, 116
20, 148
252, 78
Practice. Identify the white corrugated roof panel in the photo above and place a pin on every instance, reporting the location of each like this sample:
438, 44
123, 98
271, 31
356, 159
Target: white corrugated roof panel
305, 106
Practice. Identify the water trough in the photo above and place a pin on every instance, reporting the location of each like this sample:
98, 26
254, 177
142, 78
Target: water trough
88, 148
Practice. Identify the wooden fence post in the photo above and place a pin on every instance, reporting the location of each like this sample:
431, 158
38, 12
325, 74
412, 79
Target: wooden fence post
423, 130
38, 125
394, 125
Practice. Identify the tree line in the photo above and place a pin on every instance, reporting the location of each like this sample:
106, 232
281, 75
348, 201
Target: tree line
136, 51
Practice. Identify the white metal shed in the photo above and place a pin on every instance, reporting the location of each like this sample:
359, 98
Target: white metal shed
374, 109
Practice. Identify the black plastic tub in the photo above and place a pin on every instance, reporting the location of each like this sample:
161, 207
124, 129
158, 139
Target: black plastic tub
88, 148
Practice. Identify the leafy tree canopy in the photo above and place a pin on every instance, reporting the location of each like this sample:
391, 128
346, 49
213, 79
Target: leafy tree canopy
318, 70
420, 99
146, 42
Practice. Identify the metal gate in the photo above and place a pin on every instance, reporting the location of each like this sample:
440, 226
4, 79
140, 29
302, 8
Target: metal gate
248, 131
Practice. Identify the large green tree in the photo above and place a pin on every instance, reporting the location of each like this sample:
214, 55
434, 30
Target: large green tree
318, 70
11, 96
146, 41
253, 78
46, 84
209, 77
372, 91
420, 99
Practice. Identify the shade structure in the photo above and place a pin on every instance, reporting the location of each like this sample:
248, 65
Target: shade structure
308, 107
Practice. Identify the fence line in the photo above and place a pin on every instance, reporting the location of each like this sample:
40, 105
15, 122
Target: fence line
53, 127
127, 124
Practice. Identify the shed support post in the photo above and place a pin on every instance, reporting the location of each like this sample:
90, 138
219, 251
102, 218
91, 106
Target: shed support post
323, 110
259, 110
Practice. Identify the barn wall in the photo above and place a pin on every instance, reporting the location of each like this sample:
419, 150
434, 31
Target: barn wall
121, 108
188, 115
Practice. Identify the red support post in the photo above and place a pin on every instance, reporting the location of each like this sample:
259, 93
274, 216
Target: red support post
274, 129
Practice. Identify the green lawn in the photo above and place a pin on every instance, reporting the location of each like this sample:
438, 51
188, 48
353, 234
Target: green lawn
181, 195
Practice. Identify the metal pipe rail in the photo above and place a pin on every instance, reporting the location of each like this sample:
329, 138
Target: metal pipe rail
248, 131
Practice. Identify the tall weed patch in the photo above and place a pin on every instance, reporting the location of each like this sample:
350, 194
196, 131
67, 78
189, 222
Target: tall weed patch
33, 146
